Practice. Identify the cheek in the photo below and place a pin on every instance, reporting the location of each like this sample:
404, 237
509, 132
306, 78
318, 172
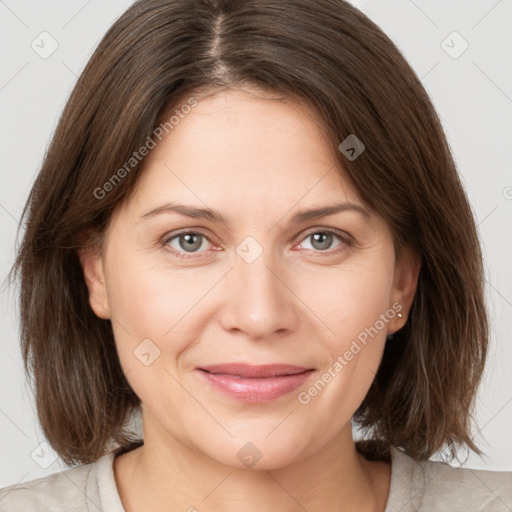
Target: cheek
349, 299
139, 298
350, 307
156, 302
161, 302
146, 305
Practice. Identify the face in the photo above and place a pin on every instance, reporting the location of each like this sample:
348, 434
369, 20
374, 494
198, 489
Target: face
266, 285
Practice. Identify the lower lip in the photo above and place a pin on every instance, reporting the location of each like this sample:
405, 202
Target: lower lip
255, 390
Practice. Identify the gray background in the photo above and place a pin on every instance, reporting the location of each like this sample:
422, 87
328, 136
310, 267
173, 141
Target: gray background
471, 89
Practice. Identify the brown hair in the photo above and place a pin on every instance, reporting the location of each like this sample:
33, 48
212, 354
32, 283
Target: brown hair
328, 55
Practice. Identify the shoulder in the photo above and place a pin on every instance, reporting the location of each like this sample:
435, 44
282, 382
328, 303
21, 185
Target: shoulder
437, 486
72, 490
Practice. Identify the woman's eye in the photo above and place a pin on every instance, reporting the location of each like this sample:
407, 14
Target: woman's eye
189, 243
322, 241
186, 243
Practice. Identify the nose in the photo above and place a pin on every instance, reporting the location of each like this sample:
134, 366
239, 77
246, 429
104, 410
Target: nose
259, 300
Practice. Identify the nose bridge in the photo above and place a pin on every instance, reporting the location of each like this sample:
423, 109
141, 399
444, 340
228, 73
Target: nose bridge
258, 283
262, 303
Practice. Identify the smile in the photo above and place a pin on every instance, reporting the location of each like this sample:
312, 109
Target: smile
254, 384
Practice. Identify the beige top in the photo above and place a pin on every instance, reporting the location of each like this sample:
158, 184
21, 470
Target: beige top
428, 486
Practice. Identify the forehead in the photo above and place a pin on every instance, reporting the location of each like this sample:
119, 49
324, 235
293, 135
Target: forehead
237, 151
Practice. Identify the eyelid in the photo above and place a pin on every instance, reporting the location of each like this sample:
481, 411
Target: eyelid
345, 238
171, 236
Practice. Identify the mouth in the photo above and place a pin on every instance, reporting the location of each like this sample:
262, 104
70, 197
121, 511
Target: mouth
255, 384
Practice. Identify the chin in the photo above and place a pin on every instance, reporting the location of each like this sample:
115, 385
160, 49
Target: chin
255, 455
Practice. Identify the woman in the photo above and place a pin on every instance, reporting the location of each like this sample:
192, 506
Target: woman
249, 227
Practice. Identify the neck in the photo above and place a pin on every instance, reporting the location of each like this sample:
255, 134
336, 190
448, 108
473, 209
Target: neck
165, 474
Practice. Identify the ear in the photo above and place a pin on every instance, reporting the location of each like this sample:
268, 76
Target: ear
92, 267
405, 282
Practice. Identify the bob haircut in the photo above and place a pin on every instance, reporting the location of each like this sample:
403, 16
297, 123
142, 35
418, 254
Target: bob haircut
326, 55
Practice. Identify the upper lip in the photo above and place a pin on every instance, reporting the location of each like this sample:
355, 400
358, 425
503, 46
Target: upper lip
251, 371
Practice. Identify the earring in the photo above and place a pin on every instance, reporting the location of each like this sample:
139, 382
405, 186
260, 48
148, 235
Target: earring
400, 315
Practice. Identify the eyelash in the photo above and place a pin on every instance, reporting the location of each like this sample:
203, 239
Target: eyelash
345, 239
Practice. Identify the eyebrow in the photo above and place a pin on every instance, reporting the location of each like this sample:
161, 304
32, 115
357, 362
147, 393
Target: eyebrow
215, 216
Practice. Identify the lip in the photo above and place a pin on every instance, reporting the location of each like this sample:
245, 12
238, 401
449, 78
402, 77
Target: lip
249, 371
255, 384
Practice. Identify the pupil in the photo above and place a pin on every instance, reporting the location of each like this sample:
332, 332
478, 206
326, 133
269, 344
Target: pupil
190, 244
322, 237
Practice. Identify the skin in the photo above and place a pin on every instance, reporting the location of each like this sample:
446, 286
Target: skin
258, 162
